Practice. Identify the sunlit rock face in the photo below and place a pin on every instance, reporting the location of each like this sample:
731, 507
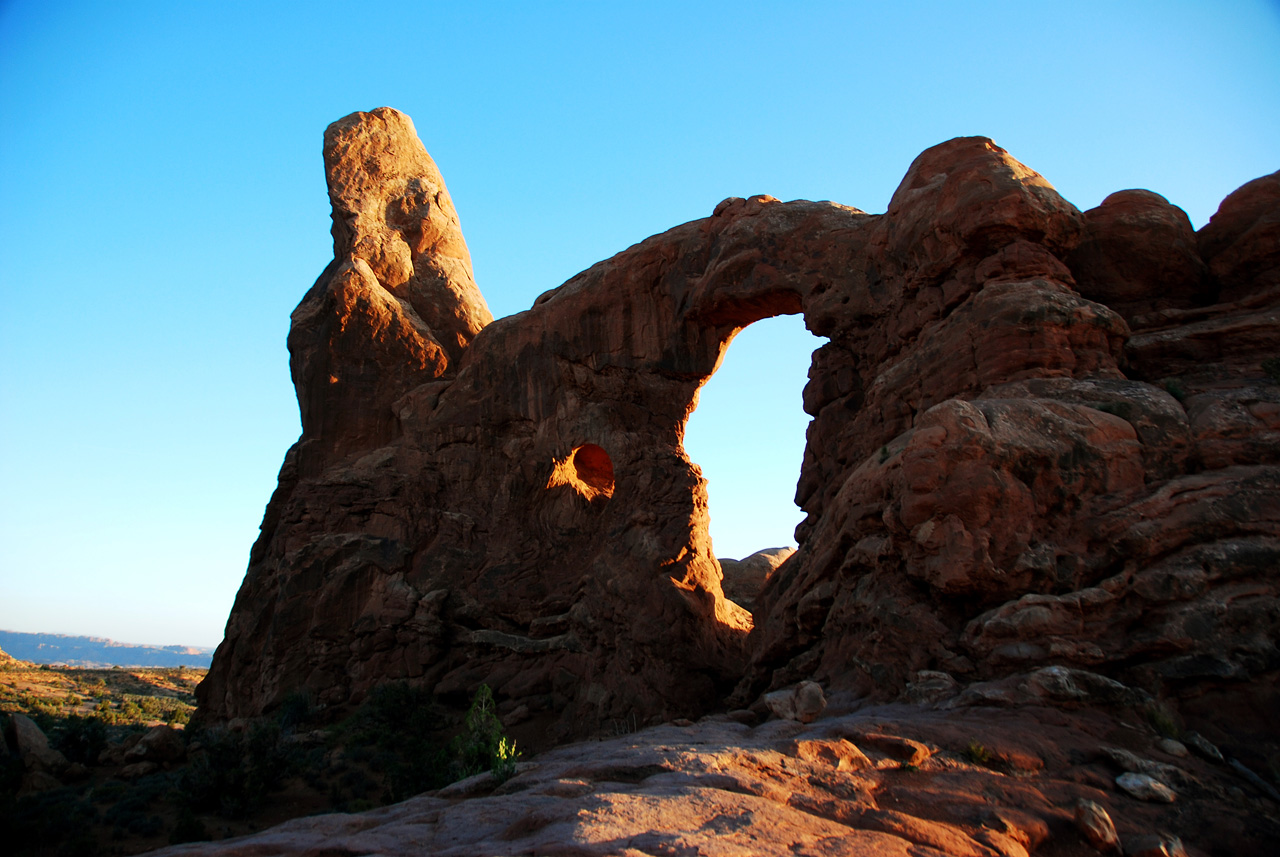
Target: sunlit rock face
999, 475
398, 304
887, 781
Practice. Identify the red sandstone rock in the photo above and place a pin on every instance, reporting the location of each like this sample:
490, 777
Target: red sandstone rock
1139, 254
159, 744
1241, 242
398, 304
744, 578
966, 200
1002, 484
1096, 827
721, 788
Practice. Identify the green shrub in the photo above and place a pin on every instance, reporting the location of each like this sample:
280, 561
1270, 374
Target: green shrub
43, 819
80, 739
483, 747
1272, 367
233, 771
130, 815
1162, 720
977, 753
11, 771
109, 791
1174, 388
188, 828
504, 759
81, 844
397, 732
296, 710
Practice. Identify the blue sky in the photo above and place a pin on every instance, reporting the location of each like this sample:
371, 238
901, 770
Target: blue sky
163, 209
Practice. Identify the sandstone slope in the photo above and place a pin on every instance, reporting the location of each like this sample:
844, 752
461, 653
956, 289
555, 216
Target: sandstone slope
895, 780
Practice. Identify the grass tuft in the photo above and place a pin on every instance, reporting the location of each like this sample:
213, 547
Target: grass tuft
977, 753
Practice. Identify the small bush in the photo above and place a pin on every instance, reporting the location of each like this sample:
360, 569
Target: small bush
11, 771
80, 739
43, 819
977, 753
188, 829
109, 791
81, 844
233, 772
504, 759
396, 732
1271, 366
1174, 388
483, 747
1162, 720
296, 710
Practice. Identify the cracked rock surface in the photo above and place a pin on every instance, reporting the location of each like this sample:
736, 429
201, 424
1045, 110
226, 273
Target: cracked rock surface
891, 780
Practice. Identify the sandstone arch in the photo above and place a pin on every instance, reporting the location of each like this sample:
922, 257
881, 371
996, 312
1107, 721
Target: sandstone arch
978, 462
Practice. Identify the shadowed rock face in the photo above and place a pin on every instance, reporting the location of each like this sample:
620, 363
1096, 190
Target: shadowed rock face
998, 475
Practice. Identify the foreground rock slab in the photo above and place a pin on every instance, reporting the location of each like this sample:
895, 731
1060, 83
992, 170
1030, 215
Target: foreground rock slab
836, 786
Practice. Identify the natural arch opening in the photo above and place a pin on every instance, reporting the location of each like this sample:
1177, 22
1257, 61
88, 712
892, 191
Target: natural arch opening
747, 435
588, 470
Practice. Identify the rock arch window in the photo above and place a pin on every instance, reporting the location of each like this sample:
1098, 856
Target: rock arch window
747, 435
588, 470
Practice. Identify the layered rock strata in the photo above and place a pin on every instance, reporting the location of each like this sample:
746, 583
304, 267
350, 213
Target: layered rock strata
1039, 437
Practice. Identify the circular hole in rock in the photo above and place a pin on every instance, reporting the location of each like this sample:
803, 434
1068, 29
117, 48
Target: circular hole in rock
594, 468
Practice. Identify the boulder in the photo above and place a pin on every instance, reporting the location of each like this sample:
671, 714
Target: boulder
1153, 845
38, 781
32, 746
804, 702
159, 744
1241, 242
1145, 787
1096, 827
744, 578
1139, 254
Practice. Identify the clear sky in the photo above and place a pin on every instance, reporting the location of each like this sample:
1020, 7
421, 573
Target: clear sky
163, 209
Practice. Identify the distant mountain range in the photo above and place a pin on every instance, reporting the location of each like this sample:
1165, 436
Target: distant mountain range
98, 652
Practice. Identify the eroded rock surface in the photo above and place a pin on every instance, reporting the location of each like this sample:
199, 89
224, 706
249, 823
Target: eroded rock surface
744, 578
398, 304
1002, 478
895, 780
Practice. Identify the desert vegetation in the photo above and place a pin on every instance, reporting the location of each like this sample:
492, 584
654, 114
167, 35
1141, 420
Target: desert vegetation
212, 782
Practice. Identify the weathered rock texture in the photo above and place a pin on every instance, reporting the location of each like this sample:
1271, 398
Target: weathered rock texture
398, 304
898, 780
1003, 471
744, 578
